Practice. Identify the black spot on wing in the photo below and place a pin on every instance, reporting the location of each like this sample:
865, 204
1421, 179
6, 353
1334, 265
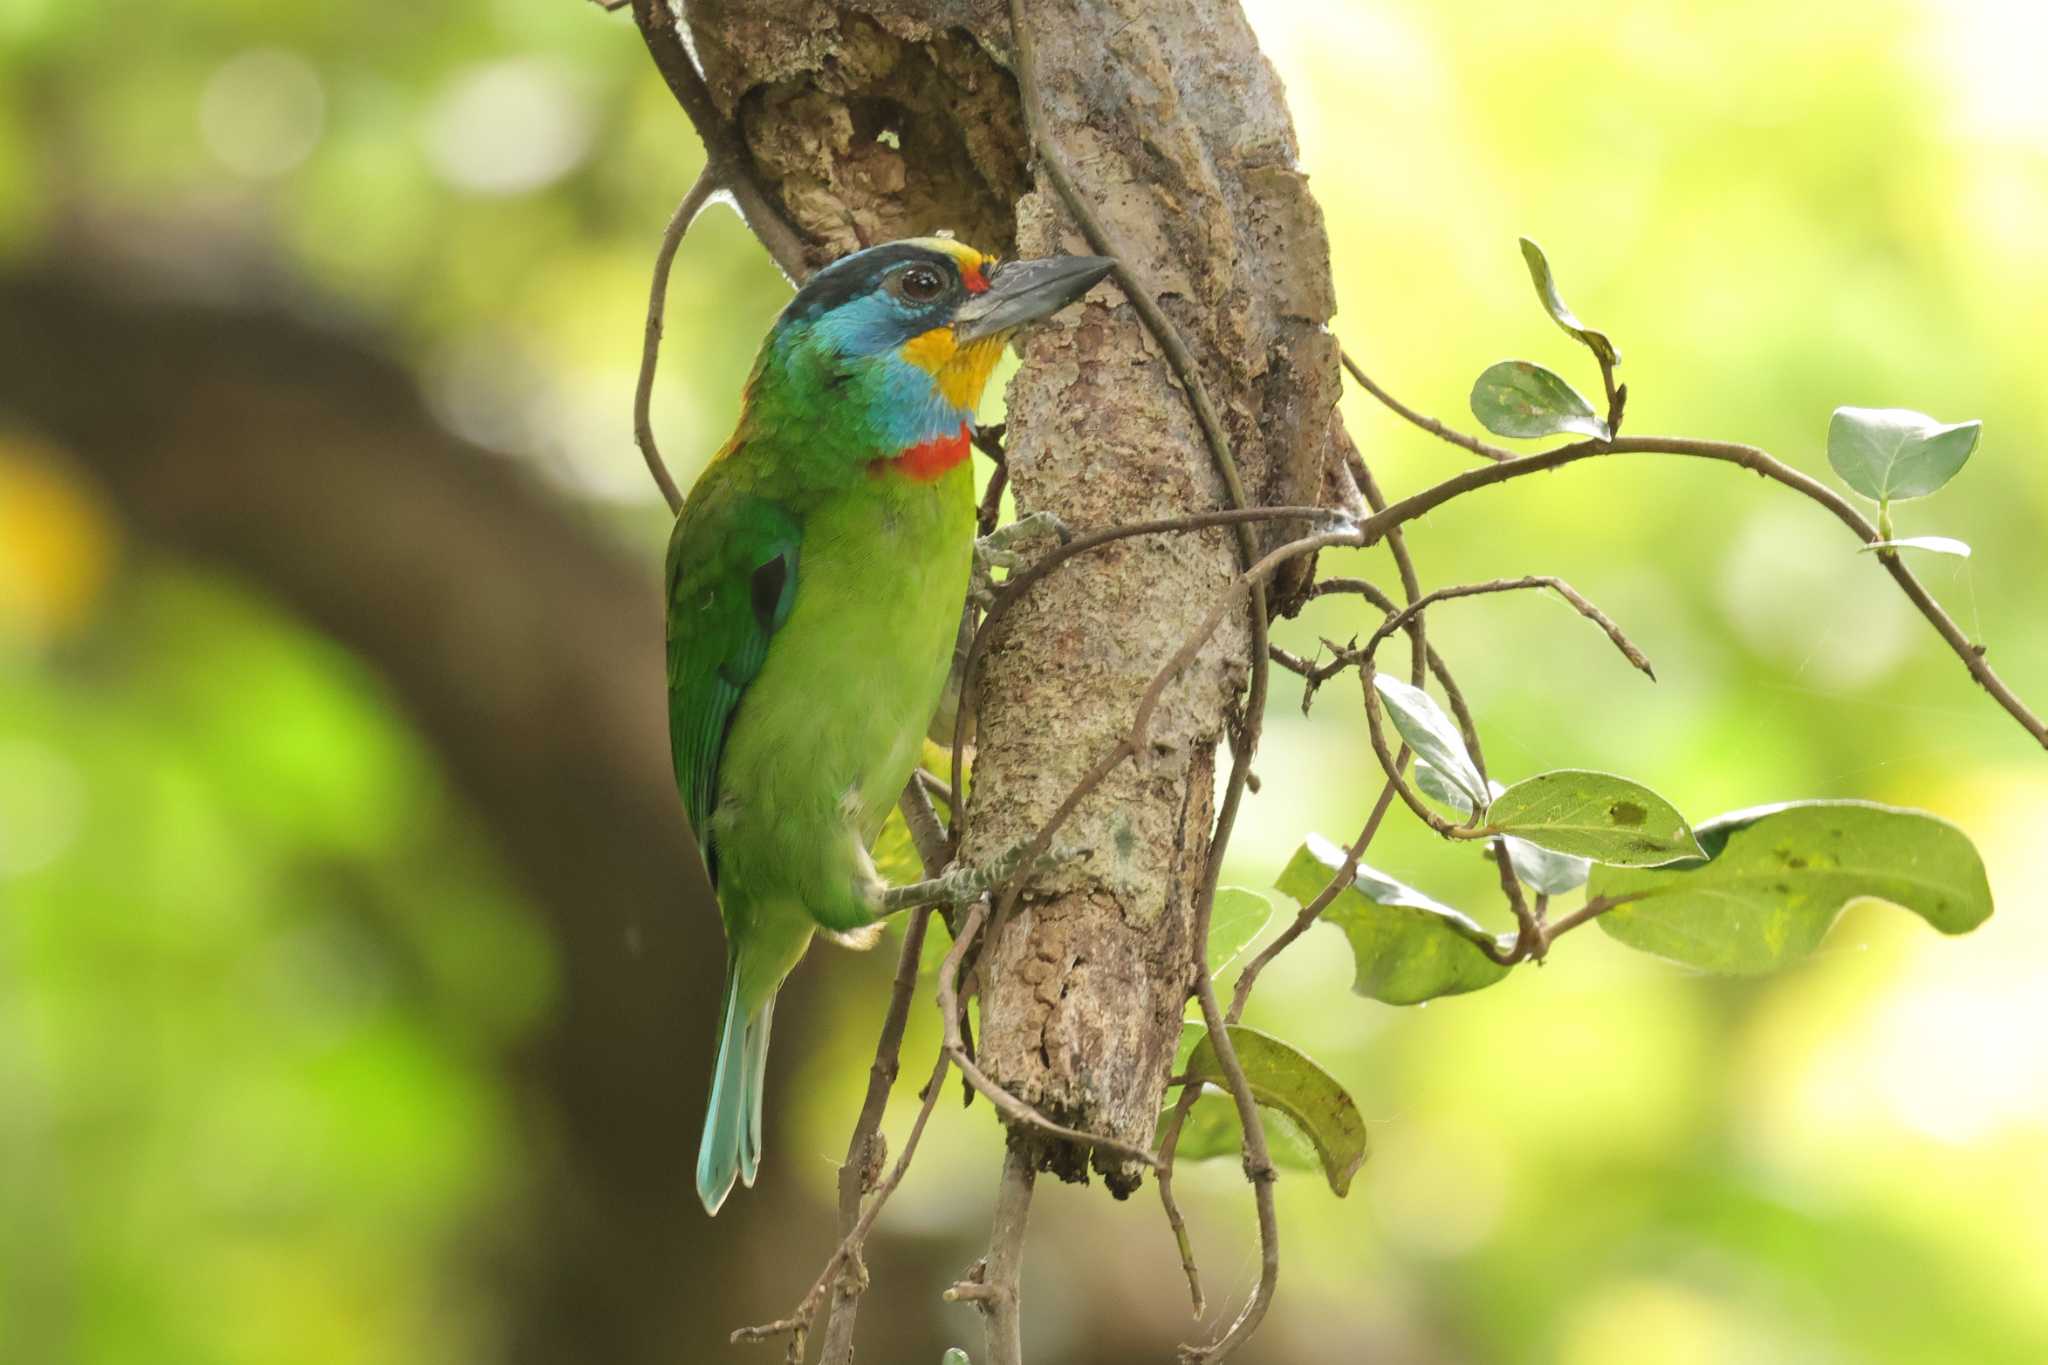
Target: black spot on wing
767, 587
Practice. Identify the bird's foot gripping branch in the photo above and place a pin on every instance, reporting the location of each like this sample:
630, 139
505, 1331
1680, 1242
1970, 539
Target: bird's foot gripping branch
1743, 892
959, 886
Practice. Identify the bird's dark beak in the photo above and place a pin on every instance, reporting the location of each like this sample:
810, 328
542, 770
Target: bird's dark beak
1025, 291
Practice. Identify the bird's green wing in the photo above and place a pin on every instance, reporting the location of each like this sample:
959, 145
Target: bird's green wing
732, 566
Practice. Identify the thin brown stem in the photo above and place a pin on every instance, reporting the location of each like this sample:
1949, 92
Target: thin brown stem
725, 151
1528, 582
650, 350
1758, 462
1428, 424
866, 1148
995, 1286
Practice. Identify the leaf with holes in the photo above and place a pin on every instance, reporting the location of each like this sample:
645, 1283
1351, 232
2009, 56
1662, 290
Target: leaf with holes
1887, 454
1429, 732
1594, 815
1775, 879
1284, 1079
1405, 947
1546, 290
1523, 399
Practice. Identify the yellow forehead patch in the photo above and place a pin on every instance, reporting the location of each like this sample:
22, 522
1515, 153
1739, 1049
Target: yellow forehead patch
964, 255
958, 372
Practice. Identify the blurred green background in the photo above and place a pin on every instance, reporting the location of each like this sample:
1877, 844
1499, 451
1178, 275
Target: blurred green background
354, 991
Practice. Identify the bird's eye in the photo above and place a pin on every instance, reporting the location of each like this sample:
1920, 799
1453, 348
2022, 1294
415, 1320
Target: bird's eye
921, 284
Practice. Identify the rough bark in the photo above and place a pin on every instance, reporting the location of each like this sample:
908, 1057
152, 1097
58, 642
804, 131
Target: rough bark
1179, 133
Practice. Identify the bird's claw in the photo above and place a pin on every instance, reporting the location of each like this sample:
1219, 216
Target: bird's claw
996, 549
960, 885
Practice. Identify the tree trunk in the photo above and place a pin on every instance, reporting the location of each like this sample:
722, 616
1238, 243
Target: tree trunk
873, 119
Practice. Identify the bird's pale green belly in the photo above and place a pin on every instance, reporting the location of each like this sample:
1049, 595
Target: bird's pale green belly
828, 732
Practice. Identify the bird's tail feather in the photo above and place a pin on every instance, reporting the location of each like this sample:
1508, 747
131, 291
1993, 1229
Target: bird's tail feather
731, 1147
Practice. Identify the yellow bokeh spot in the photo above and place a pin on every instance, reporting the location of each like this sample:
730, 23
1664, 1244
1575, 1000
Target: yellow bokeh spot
56, 544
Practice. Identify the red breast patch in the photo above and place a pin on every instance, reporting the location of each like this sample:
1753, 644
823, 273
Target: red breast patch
927, 460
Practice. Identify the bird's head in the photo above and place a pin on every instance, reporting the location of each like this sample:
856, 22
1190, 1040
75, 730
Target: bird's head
900, 339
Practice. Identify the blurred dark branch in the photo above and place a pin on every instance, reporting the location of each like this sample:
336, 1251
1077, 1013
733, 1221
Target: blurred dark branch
295, 456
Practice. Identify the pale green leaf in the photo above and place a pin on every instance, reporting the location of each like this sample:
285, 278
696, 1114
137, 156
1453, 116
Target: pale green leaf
1941, 545
1523, 399
1594, 815
1548, 871
1239, 914
1892, 453
1546, 290
1430, 733
1405, 947
1284, 1079
1437, 787
1212, 1130
1775, 879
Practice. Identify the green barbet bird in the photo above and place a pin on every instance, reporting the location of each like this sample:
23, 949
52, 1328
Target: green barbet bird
815, 582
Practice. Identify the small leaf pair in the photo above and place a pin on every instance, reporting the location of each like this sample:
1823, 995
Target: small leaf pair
1522, 399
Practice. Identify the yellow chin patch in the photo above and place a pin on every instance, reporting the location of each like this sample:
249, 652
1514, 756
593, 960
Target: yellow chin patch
959, 372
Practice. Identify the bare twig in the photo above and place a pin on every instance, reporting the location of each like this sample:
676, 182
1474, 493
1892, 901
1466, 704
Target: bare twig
1759, 462
1428, 424
927, 832
865, 1149
650, 350
1591, 910
995, 1284
1525, 583
797, 1325
725, 152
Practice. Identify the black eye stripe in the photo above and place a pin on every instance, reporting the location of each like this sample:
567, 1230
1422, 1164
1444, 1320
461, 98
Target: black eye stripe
862, 273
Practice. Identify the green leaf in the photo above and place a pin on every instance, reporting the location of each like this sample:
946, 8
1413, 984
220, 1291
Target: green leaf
1431, 735
1941, 545
1212, 1130
1239, 914
1520, 398
1546, 290
1405, 947
1284, 1079
955, 1356
1891, 453
1437, 787
1550, 872
1594, 815
1775, 879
